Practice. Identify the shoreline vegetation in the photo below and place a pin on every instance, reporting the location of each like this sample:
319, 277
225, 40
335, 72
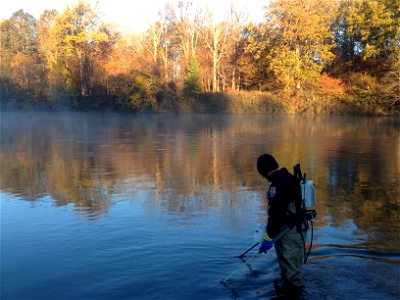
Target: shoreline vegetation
230, 102
306, 57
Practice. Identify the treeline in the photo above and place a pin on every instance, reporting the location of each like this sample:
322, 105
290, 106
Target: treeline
306, 53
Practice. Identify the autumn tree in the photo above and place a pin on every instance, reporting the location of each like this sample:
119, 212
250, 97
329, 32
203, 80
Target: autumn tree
237, 20
179, 40
125, 54
71, 43
73, 53
169, 49
253, 65
85, 34
301, 37
20, 65
152, 42
188, 22
391, 80
215, 36
52, 51
367, 28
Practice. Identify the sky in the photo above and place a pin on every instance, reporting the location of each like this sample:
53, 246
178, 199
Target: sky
131, 14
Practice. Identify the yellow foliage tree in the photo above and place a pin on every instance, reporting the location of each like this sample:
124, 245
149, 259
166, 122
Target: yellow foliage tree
301, 40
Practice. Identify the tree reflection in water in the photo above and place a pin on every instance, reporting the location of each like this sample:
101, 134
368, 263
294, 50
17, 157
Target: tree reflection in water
191, 163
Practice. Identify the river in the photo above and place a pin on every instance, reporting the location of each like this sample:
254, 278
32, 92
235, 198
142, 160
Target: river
123, 206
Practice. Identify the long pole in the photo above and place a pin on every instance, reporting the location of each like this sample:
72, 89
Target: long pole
224, 281
279, 236
244, 253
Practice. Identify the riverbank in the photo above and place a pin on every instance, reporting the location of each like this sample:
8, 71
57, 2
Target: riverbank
362, 103
231, 102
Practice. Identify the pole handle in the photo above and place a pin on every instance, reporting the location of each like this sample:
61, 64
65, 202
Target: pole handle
279, 236
244, 253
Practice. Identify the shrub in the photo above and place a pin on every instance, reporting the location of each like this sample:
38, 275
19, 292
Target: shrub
142, 93
331, 85
362, 81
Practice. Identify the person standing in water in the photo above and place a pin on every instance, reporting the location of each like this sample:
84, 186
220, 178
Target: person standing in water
284, 211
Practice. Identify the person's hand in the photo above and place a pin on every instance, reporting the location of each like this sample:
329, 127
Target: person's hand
266, 244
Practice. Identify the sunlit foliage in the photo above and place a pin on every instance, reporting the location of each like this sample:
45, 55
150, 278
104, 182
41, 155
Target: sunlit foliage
64, 58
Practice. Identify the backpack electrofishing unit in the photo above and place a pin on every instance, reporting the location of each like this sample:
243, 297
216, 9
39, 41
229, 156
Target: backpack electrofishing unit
308, 203
307, 193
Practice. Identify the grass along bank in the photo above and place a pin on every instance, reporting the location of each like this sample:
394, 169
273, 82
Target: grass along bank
359, 103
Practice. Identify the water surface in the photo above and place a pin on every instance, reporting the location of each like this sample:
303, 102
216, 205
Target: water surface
119, 206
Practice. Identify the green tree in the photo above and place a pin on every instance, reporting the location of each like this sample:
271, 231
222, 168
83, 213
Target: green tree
191, 83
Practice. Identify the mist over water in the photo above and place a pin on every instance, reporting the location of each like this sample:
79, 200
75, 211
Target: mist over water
121, 206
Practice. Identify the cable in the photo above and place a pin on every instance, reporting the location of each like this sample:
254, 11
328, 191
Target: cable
311, 243
304, 244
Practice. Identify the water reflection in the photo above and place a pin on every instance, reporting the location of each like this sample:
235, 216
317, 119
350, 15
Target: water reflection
190, 164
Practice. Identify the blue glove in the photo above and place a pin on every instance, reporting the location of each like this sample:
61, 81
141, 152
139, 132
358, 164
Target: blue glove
266, 244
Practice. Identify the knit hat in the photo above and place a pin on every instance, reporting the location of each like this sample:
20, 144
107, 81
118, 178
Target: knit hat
265, 164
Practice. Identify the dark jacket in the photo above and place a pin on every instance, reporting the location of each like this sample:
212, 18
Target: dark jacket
284, 202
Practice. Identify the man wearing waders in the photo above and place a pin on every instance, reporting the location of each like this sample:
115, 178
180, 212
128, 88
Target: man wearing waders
284, 211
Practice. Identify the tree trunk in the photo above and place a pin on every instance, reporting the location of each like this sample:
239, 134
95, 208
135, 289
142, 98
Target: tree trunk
215, 86
165, 57
234, 78
85, 75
